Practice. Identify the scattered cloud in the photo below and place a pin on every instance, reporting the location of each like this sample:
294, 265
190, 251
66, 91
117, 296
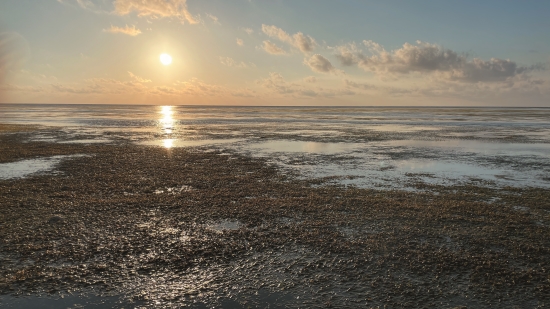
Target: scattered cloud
364, 86
156, 9
92, 89
240, 42
85, 4
273, 49
214, 18
277, 84
320, 64
20, 88
230, 62
426, 58
310, 79
132, 31
304, 43
249, 31
37, 77
138, 79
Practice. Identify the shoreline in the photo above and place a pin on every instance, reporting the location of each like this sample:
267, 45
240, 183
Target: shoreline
172, 227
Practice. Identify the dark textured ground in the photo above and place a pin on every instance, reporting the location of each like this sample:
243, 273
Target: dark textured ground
173, 227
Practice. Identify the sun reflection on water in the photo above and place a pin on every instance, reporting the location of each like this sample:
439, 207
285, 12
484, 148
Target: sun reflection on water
167, 123
168, 143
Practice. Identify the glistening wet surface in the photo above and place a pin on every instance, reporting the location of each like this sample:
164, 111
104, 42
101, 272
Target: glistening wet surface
301, 147
24, 168
266, 212
68, 301
169, 143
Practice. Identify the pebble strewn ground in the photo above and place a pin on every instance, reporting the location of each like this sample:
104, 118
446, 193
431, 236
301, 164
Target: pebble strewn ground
173, 227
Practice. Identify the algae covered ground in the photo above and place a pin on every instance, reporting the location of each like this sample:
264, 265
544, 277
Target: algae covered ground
133, 226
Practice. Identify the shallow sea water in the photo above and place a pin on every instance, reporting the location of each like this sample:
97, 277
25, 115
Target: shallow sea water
378, 147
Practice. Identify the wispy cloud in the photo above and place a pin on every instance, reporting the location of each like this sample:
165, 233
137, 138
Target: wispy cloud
138, 79
240, 42
132, 31
230, 62
273, 49
156, 8
277, 84
85, 4
213, 18
304, 43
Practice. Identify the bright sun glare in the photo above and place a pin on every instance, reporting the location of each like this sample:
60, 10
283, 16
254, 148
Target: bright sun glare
165, 59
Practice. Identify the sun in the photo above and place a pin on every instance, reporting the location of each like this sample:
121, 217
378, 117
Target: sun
165, 59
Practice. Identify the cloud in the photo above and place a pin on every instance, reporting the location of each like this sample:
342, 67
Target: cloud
156, 8
363, 86
249, 31
19, 88
214, 18
77, 90
273, 49
198, 88
132, 31
320, 64
349, 54
426, 58
277, 84
310, 79
85, 4
240, 42
230, 62
304, 43
138, 79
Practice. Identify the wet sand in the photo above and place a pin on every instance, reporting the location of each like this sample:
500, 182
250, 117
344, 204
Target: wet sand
170, 227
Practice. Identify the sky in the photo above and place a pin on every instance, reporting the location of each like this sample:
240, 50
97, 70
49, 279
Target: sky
276, 52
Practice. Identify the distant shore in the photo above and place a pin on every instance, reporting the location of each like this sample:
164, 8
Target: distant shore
172, 227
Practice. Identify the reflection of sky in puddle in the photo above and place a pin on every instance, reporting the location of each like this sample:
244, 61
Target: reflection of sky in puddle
370, 164
477, 147
299, 146
87, 141
401, 128
370, 174
450, 169
225, 225
25, 168
170, 143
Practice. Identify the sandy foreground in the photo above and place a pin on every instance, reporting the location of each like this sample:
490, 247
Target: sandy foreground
140, 226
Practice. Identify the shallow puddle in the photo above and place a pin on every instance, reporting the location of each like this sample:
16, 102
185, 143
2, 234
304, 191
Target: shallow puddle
225, 225
169, 143
482, 147
300, 146
87, 141
26, 168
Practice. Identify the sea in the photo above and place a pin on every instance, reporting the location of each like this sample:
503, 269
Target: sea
386, 148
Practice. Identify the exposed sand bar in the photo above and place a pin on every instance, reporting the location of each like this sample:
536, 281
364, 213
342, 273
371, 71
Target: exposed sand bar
168, 227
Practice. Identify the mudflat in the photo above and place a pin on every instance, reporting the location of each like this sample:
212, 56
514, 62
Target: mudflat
141, 226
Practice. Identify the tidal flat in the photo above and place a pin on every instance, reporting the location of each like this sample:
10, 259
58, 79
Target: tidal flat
129, 225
